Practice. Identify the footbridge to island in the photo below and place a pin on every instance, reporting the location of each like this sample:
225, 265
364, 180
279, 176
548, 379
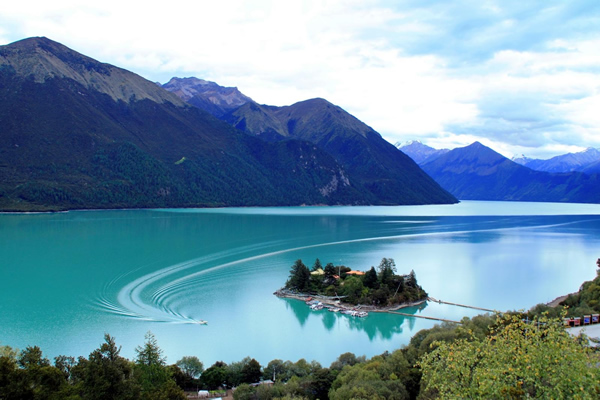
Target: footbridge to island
433, 300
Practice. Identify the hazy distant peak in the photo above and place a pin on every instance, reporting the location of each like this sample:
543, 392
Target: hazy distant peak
419, 152
563, 163
522, 159
409, 143
42, 59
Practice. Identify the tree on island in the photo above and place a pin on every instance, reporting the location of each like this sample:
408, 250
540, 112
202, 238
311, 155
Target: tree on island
387, 269
379, 286
299, 277
370, 279
317, 265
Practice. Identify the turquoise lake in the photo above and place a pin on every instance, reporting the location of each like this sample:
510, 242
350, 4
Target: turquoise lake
68, 278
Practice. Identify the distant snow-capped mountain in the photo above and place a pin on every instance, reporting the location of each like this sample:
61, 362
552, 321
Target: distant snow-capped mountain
476, 172
419, 152
562, 163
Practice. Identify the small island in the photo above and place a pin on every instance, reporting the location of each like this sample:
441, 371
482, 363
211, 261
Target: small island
342, 289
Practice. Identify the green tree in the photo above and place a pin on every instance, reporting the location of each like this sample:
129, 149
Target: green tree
150, 353
386, 269
276, 370
517, 360
359, 382
35, 378
411, 280
235, 377
32, 357
106, 375
330, 270
251, 372
353, 288
7, 351
152, 372
318, 383
381, 295
370, 279
299, 276
586, 300
191, 366
65, 364
317, 265
300, 368
14, 382
214, 376
346, 359
244, 392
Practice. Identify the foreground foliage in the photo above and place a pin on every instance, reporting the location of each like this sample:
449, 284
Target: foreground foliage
485, 357
537, 359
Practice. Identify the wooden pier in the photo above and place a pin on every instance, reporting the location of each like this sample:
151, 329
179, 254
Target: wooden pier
460, 305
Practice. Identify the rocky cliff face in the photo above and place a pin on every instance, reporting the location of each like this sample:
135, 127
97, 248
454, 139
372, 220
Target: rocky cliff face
207, 95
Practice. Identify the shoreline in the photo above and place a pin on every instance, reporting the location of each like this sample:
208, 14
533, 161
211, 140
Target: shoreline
282, 293
213, 207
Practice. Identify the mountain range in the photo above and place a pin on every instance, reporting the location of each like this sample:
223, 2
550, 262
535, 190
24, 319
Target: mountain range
387, 175
78, 133
587, 161
476, 172
472, 173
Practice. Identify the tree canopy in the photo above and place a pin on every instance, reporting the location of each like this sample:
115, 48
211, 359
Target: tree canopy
537, 359
379, 287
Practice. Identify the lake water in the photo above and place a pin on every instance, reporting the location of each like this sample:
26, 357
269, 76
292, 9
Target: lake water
67, 278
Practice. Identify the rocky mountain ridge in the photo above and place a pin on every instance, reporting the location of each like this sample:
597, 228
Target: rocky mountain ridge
78, 133
207, 95
384, 172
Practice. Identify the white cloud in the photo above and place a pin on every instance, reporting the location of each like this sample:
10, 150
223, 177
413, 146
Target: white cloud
585, 112
503, 74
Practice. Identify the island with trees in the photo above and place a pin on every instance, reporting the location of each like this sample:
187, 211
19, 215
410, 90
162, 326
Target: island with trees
378, 288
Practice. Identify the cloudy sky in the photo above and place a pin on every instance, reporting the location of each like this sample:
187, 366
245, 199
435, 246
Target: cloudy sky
522, 77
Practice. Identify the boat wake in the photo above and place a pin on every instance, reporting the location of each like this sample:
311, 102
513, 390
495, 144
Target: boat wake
164, 295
